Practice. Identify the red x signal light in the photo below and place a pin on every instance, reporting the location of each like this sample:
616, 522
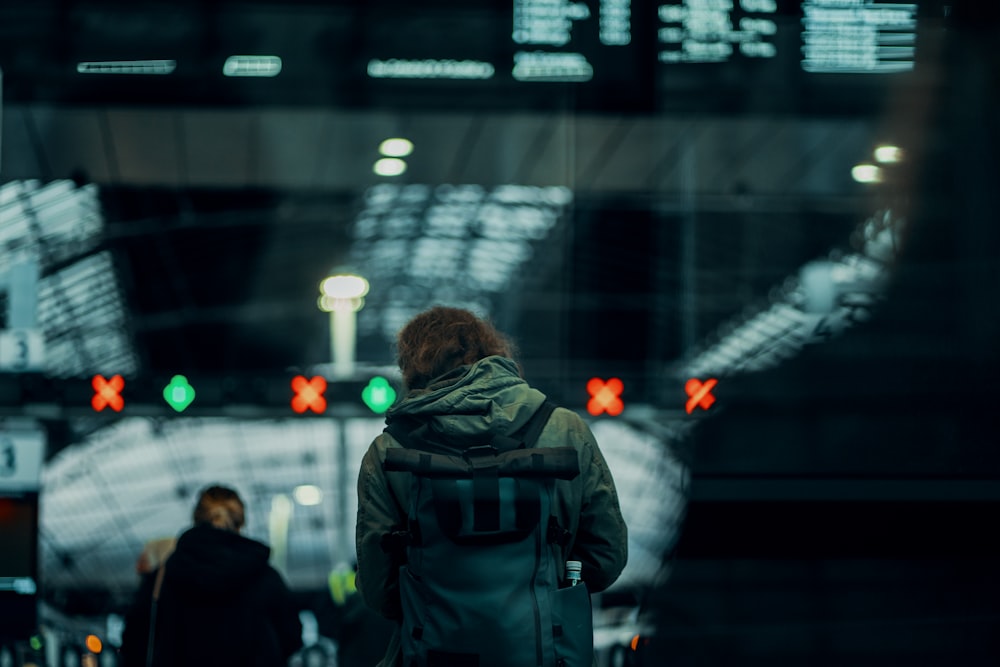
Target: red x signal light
699, 394
308, 394
107, 393
605, 396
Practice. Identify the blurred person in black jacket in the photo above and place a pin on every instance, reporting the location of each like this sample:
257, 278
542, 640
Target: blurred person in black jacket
220, 602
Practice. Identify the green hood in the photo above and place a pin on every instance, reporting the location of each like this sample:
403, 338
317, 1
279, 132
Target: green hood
487, 397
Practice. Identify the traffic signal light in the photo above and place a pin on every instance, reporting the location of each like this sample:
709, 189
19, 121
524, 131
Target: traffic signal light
605, 396
107, 393
179, 393
699, 394
378, 395
275, 395
309, 394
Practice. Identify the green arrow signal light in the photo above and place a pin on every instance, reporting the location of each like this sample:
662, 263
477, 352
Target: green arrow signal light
179, 393
378, 395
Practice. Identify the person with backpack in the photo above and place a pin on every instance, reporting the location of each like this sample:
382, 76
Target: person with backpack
472, 502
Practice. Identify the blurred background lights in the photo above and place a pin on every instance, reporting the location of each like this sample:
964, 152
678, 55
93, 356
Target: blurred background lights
888, 154
127, 67
378, 395
308, 495
252, 66
389, 166
396, 147
94, 644
344, 286
866, 173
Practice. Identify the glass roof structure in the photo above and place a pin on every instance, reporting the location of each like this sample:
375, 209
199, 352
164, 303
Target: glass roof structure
58, 226
458, 245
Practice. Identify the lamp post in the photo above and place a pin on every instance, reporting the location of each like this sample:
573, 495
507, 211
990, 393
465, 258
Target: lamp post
342, 296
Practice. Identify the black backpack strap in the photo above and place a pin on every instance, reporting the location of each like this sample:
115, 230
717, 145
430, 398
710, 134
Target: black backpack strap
528, 434
554, 533
537, 423
401, 428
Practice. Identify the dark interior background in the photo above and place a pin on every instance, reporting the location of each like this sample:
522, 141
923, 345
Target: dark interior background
842, 503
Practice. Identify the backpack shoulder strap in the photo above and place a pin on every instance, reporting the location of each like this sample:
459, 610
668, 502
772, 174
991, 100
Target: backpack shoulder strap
526, 436
400, 430
537, 423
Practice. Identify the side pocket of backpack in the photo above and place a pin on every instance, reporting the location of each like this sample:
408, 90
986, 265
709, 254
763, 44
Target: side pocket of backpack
573, 626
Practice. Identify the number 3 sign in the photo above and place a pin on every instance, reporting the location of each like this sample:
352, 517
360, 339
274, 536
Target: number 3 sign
21, 350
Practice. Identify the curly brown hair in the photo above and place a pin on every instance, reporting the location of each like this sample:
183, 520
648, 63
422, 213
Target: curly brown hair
442, 339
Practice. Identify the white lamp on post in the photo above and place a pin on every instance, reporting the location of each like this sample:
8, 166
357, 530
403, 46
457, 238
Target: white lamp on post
342, 295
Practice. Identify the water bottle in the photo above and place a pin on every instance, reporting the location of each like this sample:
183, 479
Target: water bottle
573, 572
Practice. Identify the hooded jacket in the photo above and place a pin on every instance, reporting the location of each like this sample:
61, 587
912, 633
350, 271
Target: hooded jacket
220, 603
484, 399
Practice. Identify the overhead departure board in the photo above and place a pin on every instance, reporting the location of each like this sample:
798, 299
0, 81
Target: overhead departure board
696, 31
858, 37
613, 55
657, 54
555, 39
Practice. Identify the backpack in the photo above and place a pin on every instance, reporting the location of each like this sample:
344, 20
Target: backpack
480, 585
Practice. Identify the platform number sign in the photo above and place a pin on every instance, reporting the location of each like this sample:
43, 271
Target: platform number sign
8, 457
21, 350
20, 356
21, 458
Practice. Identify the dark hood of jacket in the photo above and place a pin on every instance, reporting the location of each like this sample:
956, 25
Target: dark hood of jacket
487, 397
211, 562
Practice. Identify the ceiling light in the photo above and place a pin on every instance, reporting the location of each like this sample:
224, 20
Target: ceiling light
398, 68
866, 173
344, 286
342, 294
396, 147
389, 166
252, 66
127, 67
888, 154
